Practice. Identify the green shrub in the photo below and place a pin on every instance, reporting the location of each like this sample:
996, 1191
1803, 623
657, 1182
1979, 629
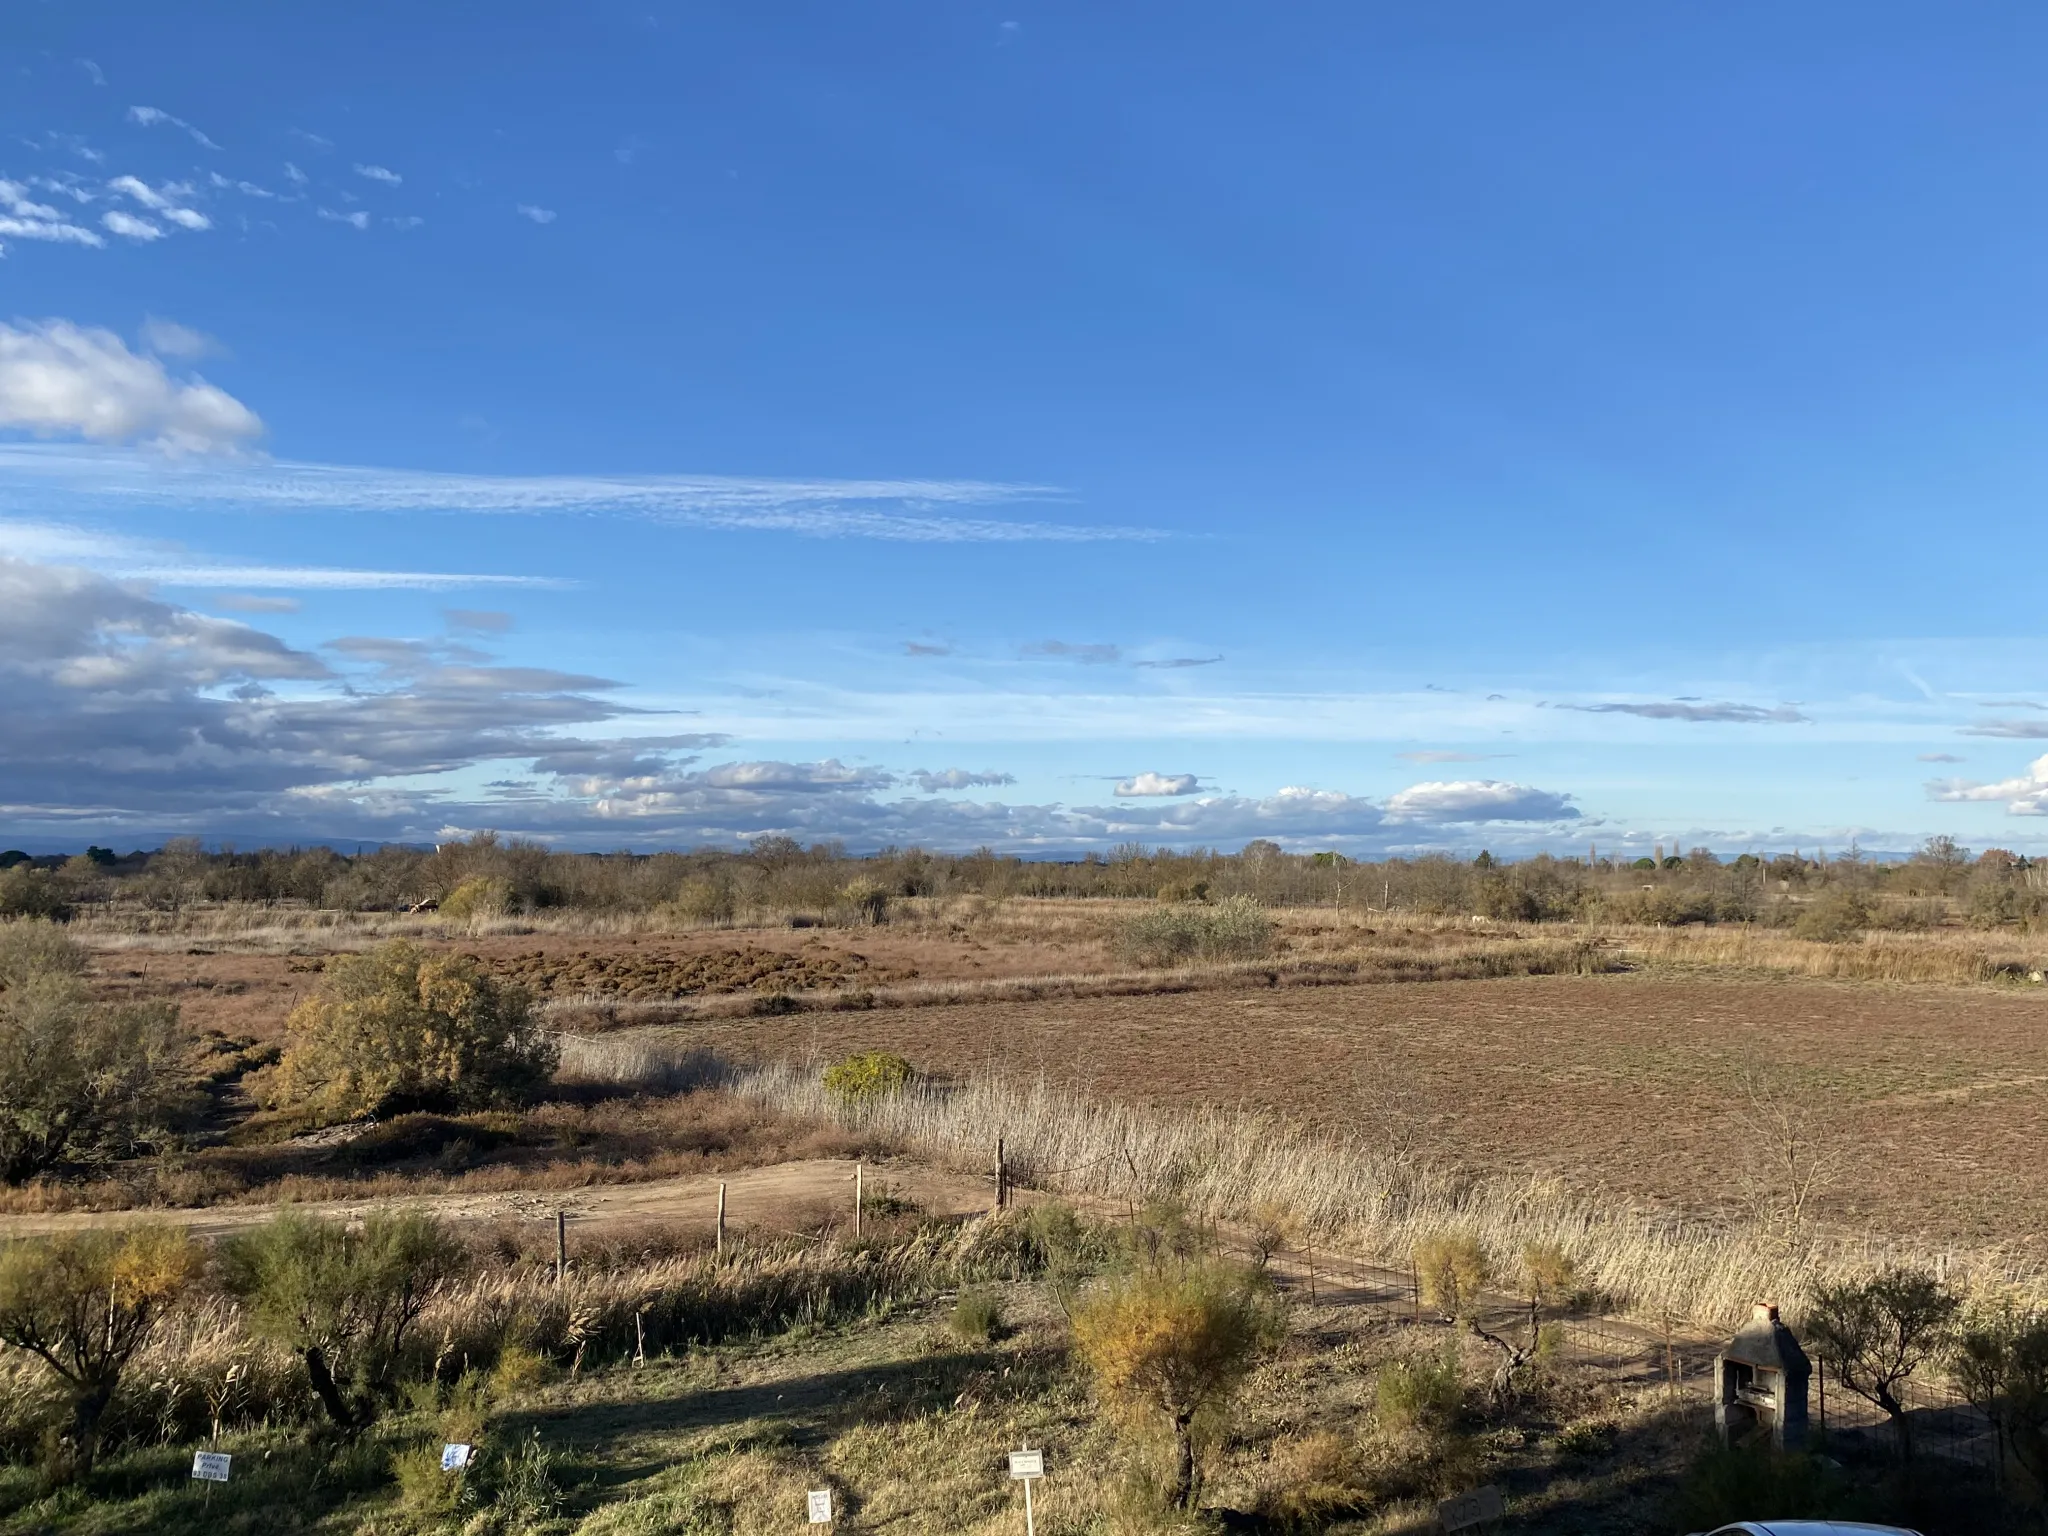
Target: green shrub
865, 902
1451, 1270
976, 1318
399, 1028
1425, 1394
869, 1075
37, 946
704, 901
1234, 929
79, 1080
341, 1297
477, 897
1835, 918
29, 892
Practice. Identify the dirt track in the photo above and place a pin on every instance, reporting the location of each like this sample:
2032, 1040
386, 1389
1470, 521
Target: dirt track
767, 1197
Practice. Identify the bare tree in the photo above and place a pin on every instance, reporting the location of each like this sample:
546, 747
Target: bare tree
1791, 1156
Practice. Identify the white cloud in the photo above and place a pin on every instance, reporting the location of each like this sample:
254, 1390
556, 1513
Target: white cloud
899, 510
57, 378
2026, 795
1466, 800
245, 602
167, 338
22, 218
390, 178
358, 218
1148, 784
538, 215
406, 221
294, 175
99, 76
152, 117
167, 565
129, 226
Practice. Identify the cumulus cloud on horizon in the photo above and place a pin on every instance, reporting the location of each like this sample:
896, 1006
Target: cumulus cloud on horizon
2025, 795
130, 713
1146, 785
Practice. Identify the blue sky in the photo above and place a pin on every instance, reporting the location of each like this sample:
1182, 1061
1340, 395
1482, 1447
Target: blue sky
1036, 424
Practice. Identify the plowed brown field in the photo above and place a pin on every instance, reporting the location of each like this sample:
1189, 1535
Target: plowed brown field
1625, 1082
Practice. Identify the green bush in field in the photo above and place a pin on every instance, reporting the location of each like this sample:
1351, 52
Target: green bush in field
79, 1080
400, 1028
869, 1075
1236, 928
478, 896
342, 1298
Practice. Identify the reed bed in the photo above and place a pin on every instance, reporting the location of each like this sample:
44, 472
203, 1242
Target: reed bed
1944, 958
1240, 1166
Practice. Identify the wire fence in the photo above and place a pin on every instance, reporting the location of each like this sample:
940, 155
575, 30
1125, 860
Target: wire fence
1941, 1421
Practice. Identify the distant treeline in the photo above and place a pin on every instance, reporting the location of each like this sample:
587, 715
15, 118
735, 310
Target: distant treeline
777, 875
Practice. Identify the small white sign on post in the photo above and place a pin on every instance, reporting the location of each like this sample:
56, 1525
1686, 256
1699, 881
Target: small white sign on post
1026, 1466
211, 1466
1479, 1507
821, 1506
455, 1457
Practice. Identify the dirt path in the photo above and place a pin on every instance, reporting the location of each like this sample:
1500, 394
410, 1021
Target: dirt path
771, 1197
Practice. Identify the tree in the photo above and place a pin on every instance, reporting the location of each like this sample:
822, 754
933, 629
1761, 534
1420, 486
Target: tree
1876, 1333
399, 1028
1451, 1271
78, 1080
1792, 1158
2001, 1364
342, 1297
85, 1302
1171, 1343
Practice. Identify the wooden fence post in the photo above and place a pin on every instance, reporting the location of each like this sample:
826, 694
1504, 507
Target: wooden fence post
561, 1245
856, 1202
1002, 1177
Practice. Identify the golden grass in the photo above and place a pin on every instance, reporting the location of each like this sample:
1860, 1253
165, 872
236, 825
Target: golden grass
1237, 1166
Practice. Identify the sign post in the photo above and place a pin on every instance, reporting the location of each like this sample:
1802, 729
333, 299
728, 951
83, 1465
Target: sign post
1026, 1466
210, 1467
1482, 1506
820, 1504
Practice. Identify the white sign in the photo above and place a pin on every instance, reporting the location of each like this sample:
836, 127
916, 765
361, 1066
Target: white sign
210, 1466
1470, 1509
455, 1457
1025, 1464
821, 1506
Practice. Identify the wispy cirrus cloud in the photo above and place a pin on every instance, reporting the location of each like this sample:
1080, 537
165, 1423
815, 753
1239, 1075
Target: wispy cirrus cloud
1088, 655
154, 117
22, 217
1697, 710
385, 174
911, 511
535, 213
2009, 730
1180, 663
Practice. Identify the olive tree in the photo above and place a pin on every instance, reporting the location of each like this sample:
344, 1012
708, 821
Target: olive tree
1170, 1344
84, 1302
401, 1028
1874, 1334
341, 1297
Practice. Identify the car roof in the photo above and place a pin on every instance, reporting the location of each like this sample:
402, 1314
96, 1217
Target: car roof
1810, 1528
